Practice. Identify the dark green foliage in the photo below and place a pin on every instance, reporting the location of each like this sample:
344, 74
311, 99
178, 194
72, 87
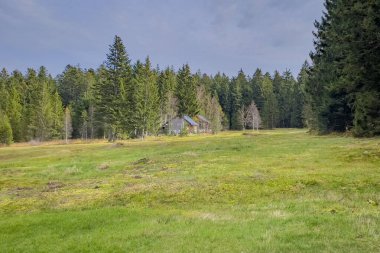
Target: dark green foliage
116, 101
186, 93
270, 109
144, 100
31, 105
302, 79
235, 100
285, 99
112, 88
46, 111
222, 88
6, 136
367, 114
343, 89
10, 104
167, 82
76, 87
14, 107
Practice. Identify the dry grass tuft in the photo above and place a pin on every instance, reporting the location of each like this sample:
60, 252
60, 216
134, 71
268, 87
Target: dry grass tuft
103, 166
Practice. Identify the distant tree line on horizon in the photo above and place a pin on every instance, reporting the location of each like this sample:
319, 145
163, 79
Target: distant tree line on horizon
124, 100
338, 92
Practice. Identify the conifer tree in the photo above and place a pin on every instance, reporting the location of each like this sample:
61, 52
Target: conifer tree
6, 136
343, 83
285, 99
257, 94
41, 110
151, 100
57, 114
246, 88
144, 100
215, 114
14, 108
297, 103
112, 89
76, 86
236, 101
222, 82
84, 125
302, 80
167, 81
4, 79
186, 93
270, 110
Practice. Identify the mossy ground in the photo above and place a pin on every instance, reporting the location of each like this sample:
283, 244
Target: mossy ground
272, 191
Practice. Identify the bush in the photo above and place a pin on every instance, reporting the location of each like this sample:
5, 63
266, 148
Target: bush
6, 136
184, 132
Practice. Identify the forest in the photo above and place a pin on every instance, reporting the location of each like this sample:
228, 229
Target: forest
338, 91
124, 100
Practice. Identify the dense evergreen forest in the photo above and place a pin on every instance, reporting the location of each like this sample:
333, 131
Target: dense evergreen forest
124, 100
343, 89
339, 91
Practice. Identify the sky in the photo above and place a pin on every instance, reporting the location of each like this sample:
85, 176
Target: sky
209, 35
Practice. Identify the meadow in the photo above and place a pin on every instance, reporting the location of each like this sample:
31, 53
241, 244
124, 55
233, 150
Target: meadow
266, 191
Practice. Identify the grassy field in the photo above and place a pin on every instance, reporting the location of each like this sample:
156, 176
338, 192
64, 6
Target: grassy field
275, 191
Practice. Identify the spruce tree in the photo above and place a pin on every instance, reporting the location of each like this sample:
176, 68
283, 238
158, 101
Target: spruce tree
223, 83
236, 101
257, 93
270, 108
215, 114
302, 80
285, 99
167, 81
186, 93
343, 83
57, 115
4, 79
76, 86
144, 100
112, 88
14, 107
6, 136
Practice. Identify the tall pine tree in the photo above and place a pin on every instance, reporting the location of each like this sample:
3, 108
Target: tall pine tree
186, 93
112, 88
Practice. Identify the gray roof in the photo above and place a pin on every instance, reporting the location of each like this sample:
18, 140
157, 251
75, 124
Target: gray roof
203, 118
190, 120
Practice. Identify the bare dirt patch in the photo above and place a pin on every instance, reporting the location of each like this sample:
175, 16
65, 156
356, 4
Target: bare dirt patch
53, 186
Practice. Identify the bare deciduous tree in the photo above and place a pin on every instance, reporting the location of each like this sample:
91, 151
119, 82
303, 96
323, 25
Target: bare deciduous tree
242, 114
250, 116
253, 116
68, 128
215, 114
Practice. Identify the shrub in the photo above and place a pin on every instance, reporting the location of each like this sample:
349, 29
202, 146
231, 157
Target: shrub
6, 136
184, 132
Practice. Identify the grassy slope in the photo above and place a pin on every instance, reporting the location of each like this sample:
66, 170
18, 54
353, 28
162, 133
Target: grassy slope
278, 191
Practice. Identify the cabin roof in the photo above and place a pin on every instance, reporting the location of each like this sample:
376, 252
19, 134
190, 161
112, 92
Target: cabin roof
190, 120
202, 118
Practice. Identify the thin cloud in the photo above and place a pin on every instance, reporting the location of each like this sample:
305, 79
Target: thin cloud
215, 35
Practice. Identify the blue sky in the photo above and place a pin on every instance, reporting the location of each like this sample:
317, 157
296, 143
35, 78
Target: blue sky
210, 35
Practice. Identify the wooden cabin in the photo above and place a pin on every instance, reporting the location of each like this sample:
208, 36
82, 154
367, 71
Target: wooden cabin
178, 124
204, 125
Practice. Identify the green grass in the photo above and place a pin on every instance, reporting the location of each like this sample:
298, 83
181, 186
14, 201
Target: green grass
275, 191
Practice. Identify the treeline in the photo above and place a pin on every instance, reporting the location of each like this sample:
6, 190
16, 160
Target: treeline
343, 89
124, 100
30, 107
340, 91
